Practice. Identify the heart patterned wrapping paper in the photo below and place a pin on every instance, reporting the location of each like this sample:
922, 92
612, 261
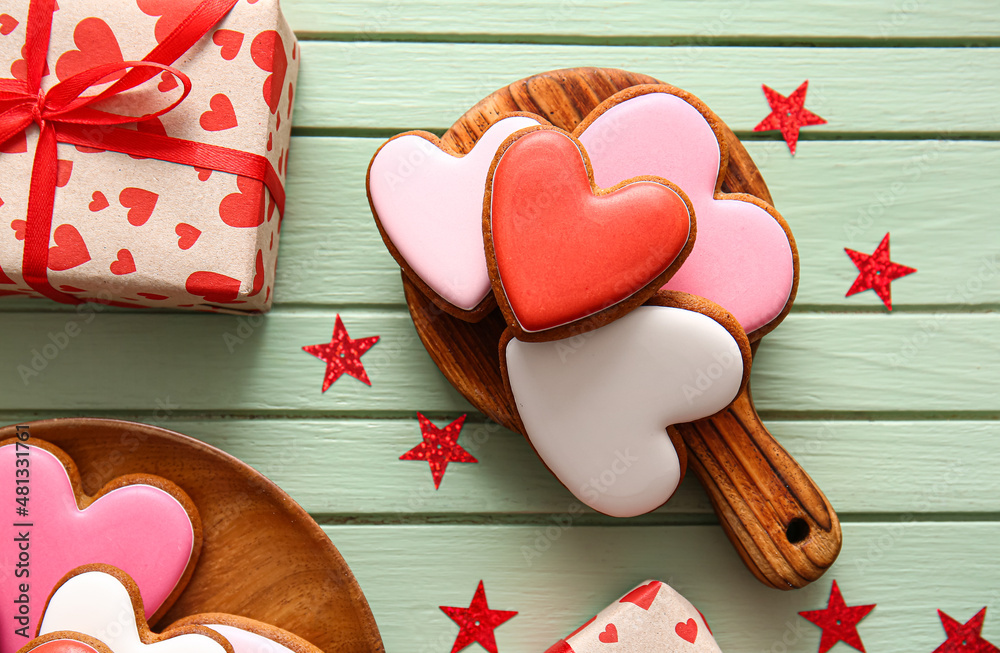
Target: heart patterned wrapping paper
143, 232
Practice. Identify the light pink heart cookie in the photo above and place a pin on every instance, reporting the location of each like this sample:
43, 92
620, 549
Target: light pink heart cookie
428, 204
744, 258
669, 623
142, 524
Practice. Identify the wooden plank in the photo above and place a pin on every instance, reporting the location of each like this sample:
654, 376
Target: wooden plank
559, 577
834, 363
642, 18
368, 85
927, 193
896, 466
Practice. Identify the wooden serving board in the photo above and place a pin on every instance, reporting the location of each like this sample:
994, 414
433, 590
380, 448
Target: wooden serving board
262, 556
780, 522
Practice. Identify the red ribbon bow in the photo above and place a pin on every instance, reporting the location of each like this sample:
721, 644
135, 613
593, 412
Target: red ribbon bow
64, 115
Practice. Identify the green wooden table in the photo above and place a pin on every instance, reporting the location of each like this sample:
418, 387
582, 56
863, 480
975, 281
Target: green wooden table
894, 415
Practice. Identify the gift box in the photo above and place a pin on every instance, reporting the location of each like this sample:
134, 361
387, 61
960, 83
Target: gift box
651, 618
143, 150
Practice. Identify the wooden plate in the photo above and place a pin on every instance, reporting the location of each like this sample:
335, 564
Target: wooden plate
780, 522
262, 556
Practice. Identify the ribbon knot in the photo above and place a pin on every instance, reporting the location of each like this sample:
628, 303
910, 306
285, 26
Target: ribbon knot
65, 115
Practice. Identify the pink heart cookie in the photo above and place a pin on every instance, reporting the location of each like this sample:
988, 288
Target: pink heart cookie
140, 523
744, 258
669, 623
428, 204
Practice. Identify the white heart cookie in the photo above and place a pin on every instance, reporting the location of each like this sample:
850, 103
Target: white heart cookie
248, 635
596, 406
429, 205
98, 604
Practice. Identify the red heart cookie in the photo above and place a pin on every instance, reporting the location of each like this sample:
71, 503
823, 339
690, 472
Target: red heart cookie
69, 251
99, 202
96, 45
221, 116
561, 251
125, 263
230, 40
187, 235
687, 630
140, 203
610, 634
213, 287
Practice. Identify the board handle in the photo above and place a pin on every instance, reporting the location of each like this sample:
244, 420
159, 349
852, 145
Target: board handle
775, 515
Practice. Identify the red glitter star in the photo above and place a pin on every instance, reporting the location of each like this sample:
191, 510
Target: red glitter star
839, 622
342, 355
440, 447
876, 272
788, 114
477, 622
965, 637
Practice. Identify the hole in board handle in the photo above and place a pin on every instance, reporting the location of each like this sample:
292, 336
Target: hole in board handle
797, 530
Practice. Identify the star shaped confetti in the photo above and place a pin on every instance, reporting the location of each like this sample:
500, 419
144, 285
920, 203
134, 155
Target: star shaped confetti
876, 272
477, 622
965, 638
440, 447
342, 355
838, 621
788, 114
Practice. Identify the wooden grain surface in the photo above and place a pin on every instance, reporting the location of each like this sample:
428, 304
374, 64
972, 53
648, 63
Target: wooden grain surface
896, 416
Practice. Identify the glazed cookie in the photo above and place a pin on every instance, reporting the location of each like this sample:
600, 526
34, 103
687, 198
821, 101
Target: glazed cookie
104, 603
65, 642
745, 258
565, 255
250, 636
651, 617
598, 408
427, 201
141, 523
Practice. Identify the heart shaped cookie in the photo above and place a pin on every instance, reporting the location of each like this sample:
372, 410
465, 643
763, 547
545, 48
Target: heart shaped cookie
428, 204
597, 407
250, 636
745, 258
566, 256
65, 642
140, 523
103, 602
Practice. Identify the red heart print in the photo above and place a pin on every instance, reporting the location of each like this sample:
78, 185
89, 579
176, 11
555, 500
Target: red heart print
64, 169
203, 173
644, 595
270, 142
167, 82
563, 253
69, 251
153, 296
16, 144
88, 150
687, 630
271, 204
125, 263
258, 277
140, 204
4, 279
97, 46
231, 42
221, 116
268, 52
7, 24
19, 227
1, 201
171, 13
610, 634
213, 287
99, 201
187, 235
245, 208
291, 100
19, 68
